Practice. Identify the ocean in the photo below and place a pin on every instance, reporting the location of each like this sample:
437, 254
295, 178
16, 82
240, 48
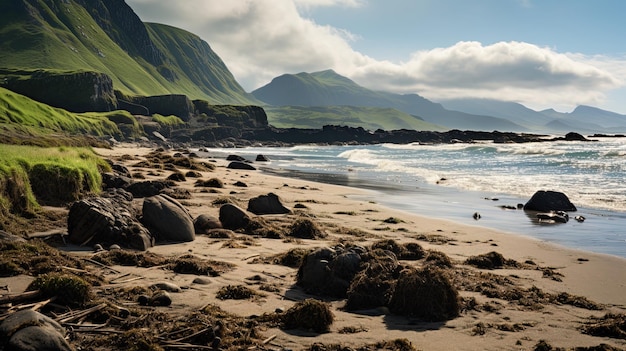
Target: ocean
453, 181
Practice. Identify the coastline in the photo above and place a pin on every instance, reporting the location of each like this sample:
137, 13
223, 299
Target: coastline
342, 211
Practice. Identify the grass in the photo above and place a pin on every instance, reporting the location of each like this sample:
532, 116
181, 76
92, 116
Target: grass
30, 174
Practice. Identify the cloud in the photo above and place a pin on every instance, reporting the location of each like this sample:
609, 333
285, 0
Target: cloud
261, 39
513, 71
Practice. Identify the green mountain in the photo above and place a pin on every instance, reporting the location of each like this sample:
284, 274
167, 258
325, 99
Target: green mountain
327, 88
106, 36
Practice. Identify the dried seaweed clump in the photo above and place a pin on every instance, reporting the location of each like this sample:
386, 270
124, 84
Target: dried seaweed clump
610, 325
33, 257
438, 259
211, 183
190, 264
292, 258
407, 251
235, 292
69, 289
129, 258
425, 293
395, 345
372, 286
304, 228
309, 314
490, 260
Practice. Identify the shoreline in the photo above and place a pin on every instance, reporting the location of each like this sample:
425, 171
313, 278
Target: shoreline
346, 214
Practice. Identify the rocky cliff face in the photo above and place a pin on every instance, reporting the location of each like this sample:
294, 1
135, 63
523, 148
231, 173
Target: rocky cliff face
76, 92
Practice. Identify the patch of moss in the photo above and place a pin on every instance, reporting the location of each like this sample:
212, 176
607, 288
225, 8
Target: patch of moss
69, 289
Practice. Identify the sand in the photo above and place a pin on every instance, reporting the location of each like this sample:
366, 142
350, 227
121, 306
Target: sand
507, 325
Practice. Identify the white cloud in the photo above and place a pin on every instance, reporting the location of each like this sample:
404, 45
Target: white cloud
261, 39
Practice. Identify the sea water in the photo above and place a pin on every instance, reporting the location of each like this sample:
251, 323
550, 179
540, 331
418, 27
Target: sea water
454, 181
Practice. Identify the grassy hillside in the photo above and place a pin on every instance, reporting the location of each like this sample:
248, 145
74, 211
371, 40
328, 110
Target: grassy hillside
23, 120
371, 118
100, 36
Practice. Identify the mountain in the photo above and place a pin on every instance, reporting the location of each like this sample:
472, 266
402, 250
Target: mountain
583, 119
327, 88
106, 36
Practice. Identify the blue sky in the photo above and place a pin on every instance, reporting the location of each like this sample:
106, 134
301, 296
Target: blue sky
542, 53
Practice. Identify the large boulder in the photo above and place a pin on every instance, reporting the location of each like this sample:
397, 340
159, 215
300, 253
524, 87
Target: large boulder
233, 217
546, 201
109, 219
28, 330
203, 224
168, 219
149, 187
267, 204
241, 165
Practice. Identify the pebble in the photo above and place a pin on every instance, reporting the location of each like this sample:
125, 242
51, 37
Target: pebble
202, 281
166, 287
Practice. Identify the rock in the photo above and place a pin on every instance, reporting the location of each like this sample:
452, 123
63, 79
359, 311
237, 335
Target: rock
29, 330
572, 136
267, 204
547, 201
235, 158
202, 281
240, 184
161, 298
165, 286
314, 273
107, 220
177, 177
233, 217
113, 180
148, 188
262, 158
240, 165
204, 223
168, 219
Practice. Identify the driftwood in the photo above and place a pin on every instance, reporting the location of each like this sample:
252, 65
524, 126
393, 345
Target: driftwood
13, 298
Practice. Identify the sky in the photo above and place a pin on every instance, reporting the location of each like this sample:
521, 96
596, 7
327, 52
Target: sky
541, 53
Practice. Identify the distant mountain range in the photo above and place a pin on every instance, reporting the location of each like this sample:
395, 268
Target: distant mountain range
327, 88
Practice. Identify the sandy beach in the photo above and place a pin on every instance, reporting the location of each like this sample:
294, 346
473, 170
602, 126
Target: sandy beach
492, 322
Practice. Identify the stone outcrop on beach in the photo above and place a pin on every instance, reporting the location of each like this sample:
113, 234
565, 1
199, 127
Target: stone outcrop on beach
109, 219
167, 219
28, 330
267, 204
205, 223
546, 201
233, 217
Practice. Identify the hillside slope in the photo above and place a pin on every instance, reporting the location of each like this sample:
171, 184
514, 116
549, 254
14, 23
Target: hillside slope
108, 37
327, 88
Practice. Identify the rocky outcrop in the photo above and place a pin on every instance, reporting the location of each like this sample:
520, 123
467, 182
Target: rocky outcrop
72, 91
233, 217
267, 204
546, 201
167, 219
107, 220
166, 105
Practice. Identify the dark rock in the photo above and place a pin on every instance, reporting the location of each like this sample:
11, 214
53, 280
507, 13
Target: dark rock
314, 273
120, 169
233, 217
267, 204
114, 180
148, 188
240, 184
240, 165
161, 298
546, 201
262, 158
29, 330
204, 223
235, 158
168, 219
107, 220
572, 136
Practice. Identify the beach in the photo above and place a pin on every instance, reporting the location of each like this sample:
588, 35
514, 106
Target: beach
352, 215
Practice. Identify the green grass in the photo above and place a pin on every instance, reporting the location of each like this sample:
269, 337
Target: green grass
371, 118
30, 174
167, 121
